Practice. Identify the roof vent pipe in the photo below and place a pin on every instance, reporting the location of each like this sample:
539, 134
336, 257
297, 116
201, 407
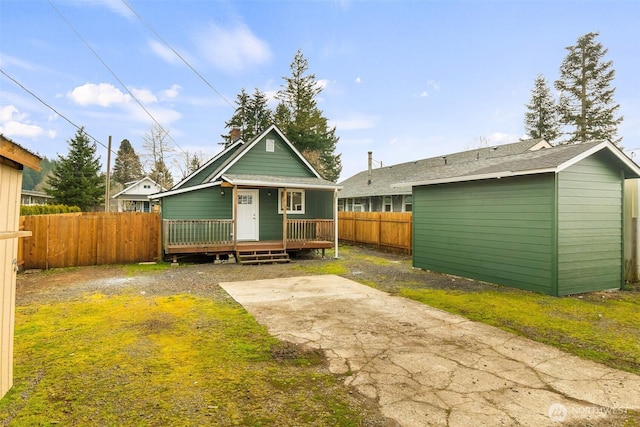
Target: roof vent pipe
370, 161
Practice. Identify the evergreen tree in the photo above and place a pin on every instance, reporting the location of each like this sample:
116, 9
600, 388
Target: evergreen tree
127, 166
302, 121
161, 174
252, 116
586, 98
542, 119
76, 179
32, 180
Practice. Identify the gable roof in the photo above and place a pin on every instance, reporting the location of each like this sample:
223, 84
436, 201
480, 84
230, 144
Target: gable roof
383, 178
134, 184
548, 160
232, 155
19, 155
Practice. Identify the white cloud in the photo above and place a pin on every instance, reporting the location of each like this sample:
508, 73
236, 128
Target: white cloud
433, 85
10, 112
355, 121
358, 79
116, 6
497, 138
164, 52
145, 96
322, 84
232, 49
17, 129
13, 123
423, 94
172, 92
102, 94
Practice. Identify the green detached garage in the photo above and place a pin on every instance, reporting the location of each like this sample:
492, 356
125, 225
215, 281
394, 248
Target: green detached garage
549, 221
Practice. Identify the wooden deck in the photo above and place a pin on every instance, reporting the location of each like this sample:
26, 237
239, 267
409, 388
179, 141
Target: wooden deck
245, 246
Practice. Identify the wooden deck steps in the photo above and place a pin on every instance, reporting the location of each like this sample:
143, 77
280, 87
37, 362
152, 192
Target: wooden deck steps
267, 256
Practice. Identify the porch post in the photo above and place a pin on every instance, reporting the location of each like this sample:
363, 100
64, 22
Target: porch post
235, 217
335, 223
284, 218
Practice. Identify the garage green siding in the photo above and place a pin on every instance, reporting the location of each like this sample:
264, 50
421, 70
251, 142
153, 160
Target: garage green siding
590, 226
207, 203
501, 231
282, 161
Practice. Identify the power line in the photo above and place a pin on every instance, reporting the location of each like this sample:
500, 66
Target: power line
53, 109
114, 75
177, 53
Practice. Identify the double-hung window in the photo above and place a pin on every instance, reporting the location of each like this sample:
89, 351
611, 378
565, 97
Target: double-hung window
295, 201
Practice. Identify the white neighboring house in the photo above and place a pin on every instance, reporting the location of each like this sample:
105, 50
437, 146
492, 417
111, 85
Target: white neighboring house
135, 196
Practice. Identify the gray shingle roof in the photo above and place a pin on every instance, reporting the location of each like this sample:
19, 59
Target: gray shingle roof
530, 162
382, 179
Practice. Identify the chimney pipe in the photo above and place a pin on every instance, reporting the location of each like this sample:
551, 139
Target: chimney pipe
235, 134
370, 161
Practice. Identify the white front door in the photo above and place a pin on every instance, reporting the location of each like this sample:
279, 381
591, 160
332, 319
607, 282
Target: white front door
248, 221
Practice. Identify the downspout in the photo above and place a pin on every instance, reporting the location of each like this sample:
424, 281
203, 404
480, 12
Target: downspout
283, 203
335, 223
235, 218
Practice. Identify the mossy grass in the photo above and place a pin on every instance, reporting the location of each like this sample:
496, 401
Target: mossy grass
601, 327
173, 360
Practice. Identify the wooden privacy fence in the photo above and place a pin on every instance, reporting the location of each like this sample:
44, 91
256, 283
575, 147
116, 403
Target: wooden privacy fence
77, 239
382, 229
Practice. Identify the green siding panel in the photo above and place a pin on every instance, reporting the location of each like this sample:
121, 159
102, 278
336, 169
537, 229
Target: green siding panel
200, 177
499, 231
270, 219
281, 162
590, 227
207, 203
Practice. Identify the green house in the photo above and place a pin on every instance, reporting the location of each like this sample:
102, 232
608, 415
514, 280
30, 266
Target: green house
549, 221
257, 200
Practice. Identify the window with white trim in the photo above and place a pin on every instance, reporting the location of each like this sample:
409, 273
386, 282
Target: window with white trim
295, 201
387, 204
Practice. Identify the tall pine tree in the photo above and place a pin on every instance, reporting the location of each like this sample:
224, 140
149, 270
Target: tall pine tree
302, 121
542, 119
252, 115
127, 166
586, 95
75, 179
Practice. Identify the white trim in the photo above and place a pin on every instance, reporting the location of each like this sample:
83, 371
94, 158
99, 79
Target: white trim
211, 160
289, 191
134, 183
504, 174
605, 144
258, 139
183, 190
267, 183
255, 195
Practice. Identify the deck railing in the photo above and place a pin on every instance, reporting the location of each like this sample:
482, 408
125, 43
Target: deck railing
198, 232
301, 230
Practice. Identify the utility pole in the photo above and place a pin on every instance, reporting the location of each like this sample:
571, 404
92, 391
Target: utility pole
106, 195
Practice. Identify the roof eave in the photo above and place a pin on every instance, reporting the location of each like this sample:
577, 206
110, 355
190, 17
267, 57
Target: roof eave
466, 178
183, 190
278, 184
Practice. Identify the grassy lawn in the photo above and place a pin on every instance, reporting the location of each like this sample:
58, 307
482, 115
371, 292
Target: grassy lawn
133, 360
602, 326
602, 329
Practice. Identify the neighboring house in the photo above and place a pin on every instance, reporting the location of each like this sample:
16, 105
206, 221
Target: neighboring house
135, 196
256, 199
13, 159
31, 197
549, 221
371, 190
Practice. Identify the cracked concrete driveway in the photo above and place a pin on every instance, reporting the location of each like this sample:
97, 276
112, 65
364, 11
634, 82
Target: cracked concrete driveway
427, 367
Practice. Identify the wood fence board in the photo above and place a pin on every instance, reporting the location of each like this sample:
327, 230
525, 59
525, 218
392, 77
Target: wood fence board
68, 240
382, 229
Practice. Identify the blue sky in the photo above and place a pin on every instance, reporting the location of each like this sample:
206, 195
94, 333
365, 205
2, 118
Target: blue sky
404, 79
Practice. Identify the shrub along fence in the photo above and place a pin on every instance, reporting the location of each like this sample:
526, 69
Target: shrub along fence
77, 239
391, 230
